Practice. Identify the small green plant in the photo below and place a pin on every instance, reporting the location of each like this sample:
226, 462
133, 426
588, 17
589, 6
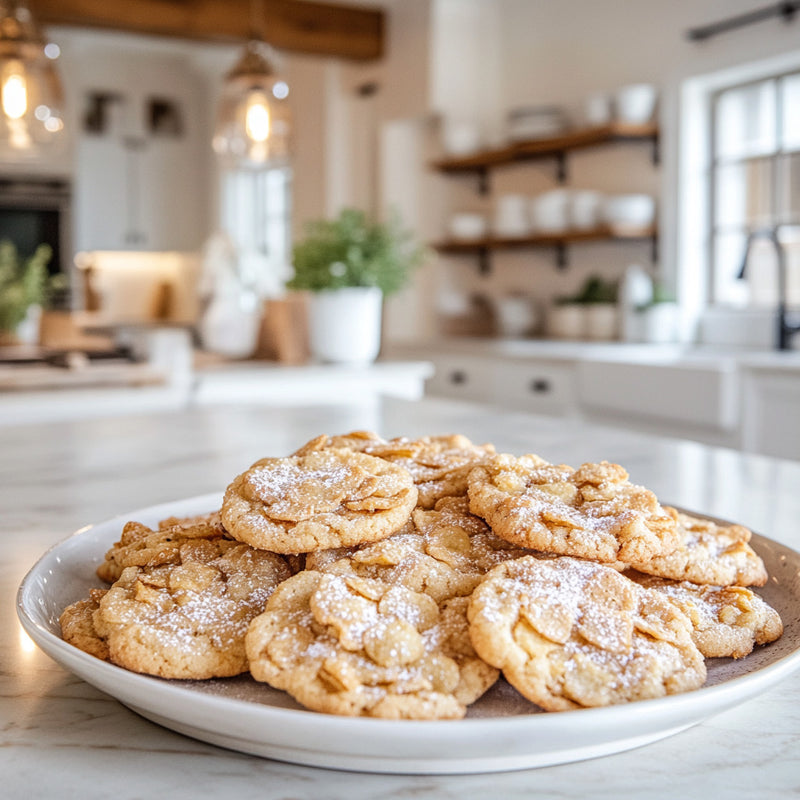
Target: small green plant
352, 250
23, 282
594, 290
661, 294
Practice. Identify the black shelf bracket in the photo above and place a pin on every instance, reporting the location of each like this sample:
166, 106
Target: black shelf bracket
656, 150
483, 181
561, 167
484, 261
561, 256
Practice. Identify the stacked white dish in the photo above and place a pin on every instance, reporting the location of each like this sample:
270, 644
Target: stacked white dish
467, 226
511, 218
535, 122
629, 213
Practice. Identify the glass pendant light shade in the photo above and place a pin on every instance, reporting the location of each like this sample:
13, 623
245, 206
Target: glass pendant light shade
253, 127
31, 98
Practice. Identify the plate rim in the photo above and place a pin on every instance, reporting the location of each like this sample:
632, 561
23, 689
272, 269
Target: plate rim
711, 700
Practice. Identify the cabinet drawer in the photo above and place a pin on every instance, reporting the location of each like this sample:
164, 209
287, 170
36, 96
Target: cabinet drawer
467, 378
541, 388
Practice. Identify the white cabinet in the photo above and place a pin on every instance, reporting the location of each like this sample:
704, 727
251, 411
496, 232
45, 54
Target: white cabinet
538, 387
687, 398
142, 183
463, 377
771, 412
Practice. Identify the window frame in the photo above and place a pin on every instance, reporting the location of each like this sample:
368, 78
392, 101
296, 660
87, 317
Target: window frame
777, 157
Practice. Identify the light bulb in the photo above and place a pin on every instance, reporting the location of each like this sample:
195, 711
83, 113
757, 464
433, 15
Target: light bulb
15, 92
257, 122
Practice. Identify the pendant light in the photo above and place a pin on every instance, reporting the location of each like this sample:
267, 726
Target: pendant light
30, 90
253, 127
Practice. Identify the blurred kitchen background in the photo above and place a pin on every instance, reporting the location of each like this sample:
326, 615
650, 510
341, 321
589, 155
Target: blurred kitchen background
589, 178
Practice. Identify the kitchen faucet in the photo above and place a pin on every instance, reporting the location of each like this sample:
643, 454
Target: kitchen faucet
785, 328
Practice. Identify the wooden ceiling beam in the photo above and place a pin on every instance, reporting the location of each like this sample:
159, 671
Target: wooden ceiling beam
316, 28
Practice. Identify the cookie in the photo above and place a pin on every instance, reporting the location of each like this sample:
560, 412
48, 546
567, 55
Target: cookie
593, 512
77, 625
358, 441
728, 621
360, 647
141, 546
333, 497
571, 634
439, 465
443, 552
709, 553
187, 616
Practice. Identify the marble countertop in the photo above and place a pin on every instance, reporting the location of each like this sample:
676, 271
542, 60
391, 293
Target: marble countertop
63, 738
689, 355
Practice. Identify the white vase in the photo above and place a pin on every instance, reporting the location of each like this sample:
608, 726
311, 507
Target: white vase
345, 325
230, 324
28, 330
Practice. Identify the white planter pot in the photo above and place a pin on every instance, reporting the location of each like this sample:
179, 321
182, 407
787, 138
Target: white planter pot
601, 321
345, 325
567, 321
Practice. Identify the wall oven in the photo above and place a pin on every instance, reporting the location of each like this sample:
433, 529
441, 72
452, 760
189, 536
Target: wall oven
34, 210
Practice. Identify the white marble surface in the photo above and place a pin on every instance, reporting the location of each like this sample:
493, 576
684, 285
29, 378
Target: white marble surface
63, 738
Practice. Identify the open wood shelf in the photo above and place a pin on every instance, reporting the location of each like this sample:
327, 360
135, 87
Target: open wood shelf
556, 147
484, 247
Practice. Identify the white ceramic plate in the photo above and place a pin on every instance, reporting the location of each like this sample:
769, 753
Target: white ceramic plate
503, 731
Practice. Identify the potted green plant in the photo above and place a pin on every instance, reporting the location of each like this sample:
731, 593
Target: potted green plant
348, 265
590, 313
23, 291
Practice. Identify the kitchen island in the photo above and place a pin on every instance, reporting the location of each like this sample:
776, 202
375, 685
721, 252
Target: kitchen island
63, 738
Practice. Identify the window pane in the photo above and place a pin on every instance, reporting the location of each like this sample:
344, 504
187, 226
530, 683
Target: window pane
744, 120
791, 112
727, 289
789, 172
743, 193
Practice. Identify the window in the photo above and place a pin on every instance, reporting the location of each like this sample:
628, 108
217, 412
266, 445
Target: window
256, 214
755, 184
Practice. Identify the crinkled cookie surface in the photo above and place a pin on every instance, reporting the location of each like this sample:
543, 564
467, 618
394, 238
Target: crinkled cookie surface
443, 552
333, 497
592, 512
571, 634
187, 617
361, 647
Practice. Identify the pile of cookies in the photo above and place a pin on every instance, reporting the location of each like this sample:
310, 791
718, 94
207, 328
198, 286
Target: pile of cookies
399, 578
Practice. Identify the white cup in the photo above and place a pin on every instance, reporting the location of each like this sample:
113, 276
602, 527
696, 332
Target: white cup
511, 216
467, 226
636, 103
585, 210
461, 137
598, 109
550, 211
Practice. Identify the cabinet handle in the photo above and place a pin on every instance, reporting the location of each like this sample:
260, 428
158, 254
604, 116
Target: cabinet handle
540, 386
458, 377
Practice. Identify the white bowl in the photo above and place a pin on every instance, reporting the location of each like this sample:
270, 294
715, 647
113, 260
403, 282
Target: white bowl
461, 137
629, 213
515, 315
538, 122
585, 210
550, 211
598, 109
635, 104
467, 226
511, 216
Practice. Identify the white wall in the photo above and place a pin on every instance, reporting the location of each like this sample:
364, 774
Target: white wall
541, 52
